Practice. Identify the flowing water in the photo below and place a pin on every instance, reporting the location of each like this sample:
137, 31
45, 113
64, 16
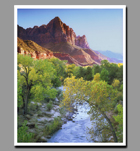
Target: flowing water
75, 131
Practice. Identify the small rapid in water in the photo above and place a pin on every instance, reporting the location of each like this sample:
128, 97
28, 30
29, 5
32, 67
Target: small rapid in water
75, 131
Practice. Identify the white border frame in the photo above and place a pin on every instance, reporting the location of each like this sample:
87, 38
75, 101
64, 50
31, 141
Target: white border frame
124, 71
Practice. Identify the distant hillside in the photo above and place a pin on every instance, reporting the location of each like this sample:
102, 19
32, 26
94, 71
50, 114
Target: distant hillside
116, 57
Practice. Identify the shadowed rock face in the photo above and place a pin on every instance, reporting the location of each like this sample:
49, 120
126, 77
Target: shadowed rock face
55, 31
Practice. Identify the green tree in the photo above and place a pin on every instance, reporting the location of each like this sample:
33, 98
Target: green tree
119, 120
81, 72
97, 77
60, 67
119, 73
69, 70
37, 76
76, 71
100, 96
19, 89
113, 69
104, 75
97, 68
88, 74
105, 64
115, 83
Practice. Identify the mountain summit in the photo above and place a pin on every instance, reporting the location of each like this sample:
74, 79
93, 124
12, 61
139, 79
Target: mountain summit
60, 38
55, 31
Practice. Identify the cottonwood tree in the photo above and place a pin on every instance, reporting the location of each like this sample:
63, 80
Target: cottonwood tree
97, 77
36, 78
100, 96
60, 67
104, 75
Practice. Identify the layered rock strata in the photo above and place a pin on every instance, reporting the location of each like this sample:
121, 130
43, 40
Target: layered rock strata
55, 31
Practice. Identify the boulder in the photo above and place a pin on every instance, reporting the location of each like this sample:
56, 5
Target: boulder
28, 117
56, 114
31, 125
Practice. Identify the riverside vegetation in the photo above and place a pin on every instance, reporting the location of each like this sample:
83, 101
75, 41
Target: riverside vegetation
42, 107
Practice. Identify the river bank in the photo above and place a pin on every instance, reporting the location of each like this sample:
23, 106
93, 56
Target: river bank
39, 118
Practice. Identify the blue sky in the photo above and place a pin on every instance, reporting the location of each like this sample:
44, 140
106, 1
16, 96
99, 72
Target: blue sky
102, 27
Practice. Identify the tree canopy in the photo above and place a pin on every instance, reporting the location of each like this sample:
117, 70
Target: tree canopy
36, 80
99, 95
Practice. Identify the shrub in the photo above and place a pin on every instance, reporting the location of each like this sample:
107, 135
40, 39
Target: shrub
120, 96
23, 135
59, 91
119, 120
97, 77
53, 126
121, 88
115, 83
33, 106
62, 111
49, 106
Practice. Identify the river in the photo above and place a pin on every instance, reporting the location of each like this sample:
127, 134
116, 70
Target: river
75, 131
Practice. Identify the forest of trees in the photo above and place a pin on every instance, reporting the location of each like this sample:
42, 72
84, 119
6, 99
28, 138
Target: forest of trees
100, 85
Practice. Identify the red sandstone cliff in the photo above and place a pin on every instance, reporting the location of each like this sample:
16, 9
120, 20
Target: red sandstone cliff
58, 37
81, 41
55, 31
28, 47
70, 59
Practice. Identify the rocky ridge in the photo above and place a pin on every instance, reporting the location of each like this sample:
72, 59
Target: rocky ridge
55, 31
60, 38
28, 47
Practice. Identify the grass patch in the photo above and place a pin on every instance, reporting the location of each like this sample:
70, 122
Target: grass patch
53, 126
49, 105
23, 135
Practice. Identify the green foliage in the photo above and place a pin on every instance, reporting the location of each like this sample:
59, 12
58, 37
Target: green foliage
99, 94
97, 77
115, 83
33, 106
76, 71
69, 70
97, 69
119, 74
60, 67
121, 88
62, 111
119, 120
56, 82
37, 76
119, 96
81, 73
104, 75
105, 64
53, 126
59, 94
49, 106
88, 74
19, 94
23, 135
113, 70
